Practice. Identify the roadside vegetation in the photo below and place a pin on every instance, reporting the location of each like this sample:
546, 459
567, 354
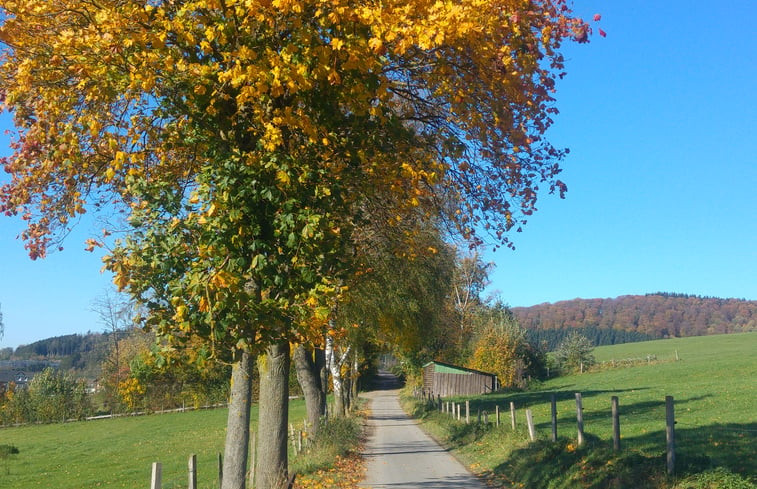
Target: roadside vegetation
716, 425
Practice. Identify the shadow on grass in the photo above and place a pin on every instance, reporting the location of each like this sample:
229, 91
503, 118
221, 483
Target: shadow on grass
640, 464
595, 465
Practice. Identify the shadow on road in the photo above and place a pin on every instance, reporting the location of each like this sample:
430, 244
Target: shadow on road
385, 381
436, 483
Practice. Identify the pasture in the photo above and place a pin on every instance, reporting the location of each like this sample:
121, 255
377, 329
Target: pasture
714, 386
118, 453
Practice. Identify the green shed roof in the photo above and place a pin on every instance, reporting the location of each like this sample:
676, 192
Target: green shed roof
446, 368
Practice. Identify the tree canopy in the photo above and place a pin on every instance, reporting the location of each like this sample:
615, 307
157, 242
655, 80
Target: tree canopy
240, 138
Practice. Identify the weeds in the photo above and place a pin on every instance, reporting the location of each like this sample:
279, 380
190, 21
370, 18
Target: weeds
332, 461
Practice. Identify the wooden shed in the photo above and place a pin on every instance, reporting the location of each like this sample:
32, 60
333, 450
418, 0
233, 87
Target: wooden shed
443, 379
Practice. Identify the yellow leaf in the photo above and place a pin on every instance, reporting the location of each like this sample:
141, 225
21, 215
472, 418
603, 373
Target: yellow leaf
282, 177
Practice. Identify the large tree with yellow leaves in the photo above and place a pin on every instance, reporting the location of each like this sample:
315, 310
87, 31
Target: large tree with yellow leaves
241, 138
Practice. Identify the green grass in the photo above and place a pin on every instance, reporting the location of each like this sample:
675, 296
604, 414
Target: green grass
118, 453
714, 388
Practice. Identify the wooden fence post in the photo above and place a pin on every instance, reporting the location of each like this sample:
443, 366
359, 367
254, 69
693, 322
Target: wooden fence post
554, 417
439, 401
496, 412
458, 411
467, 412
531, 428
512, 414
478, 418
580, 418
670, 433
193, 471
615, 424
157, 470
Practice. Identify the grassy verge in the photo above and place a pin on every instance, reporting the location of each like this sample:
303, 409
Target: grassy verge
333, 461
716, 432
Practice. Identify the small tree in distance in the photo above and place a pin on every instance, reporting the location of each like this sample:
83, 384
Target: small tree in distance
575, 352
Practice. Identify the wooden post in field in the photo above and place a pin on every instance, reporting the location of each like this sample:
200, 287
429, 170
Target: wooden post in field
580, 418
220, 470
157, 470
531, 428
512, 414
458, 411
193, 471
467, 412
293, 437
677, 356
615, 424
554, 417
496, 413
670, 433
478, 420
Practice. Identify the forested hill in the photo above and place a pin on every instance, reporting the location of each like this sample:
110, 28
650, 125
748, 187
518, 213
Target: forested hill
77, 351
658, 315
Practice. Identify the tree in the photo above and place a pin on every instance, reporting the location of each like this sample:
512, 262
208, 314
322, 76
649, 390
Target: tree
240, 138
117, 370
114, 313
501, 346
575, 352
55, 397
470, 279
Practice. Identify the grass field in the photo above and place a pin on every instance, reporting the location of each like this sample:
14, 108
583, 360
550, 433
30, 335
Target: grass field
118, 453
714, 384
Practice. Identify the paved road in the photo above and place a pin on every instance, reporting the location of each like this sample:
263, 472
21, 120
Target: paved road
400, 455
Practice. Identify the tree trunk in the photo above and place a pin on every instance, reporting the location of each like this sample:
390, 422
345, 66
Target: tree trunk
310, 381
355, 375
273, 417
238, 424
335, 362
320, 366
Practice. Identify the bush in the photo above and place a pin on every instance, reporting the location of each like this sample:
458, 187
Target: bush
336, 438
7, 450
574, 352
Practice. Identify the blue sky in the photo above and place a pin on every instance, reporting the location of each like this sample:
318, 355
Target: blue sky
660, 117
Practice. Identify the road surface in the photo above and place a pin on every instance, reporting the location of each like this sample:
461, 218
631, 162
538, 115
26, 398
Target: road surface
400, 455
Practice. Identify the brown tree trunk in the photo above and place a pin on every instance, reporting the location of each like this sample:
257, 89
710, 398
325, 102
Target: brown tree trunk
273, 417
310, 381
323, 372
238, 424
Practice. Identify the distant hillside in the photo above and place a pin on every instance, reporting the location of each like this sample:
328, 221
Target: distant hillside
659, 315
83, 353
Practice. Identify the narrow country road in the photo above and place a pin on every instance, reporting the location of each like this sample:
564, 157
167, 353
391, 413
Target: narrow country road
400, 455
